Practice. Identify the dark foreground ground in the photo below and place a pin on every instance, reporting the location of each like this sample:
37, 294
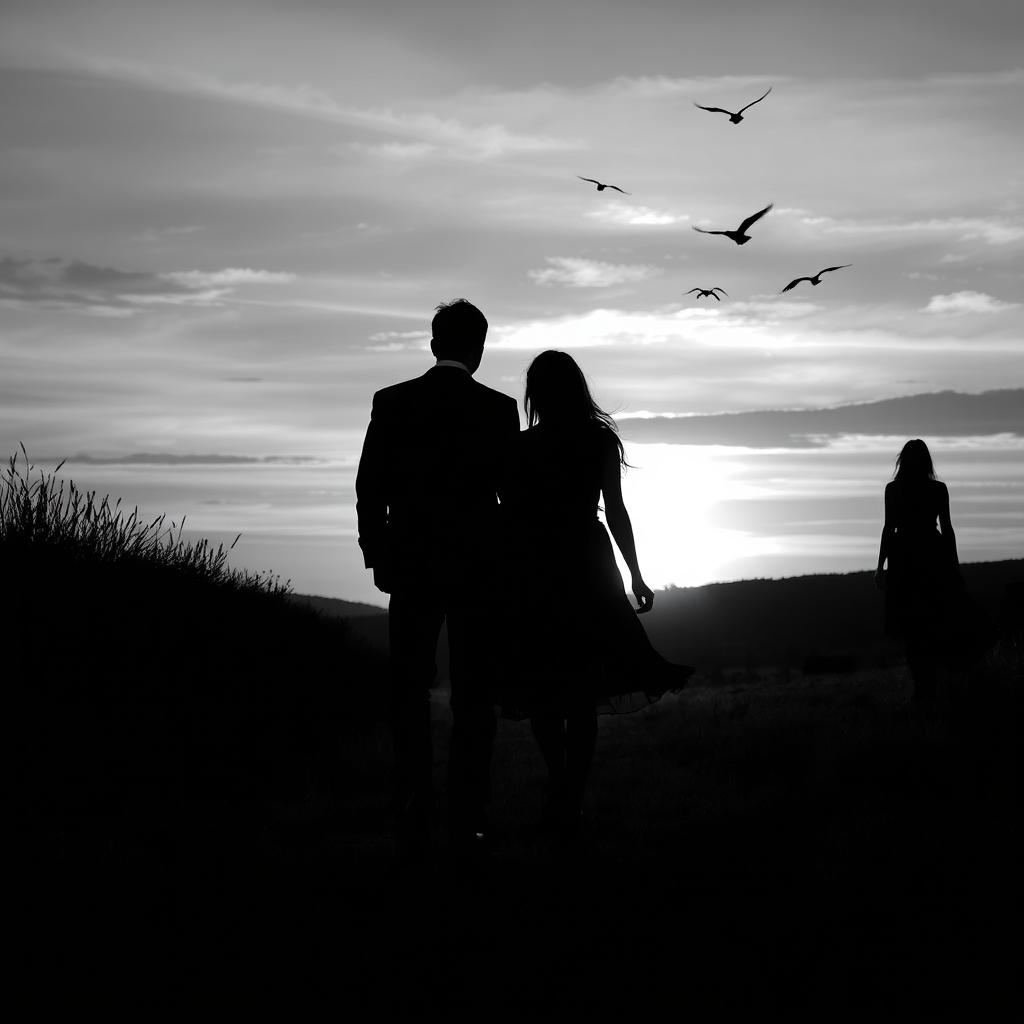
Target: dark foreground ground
760, 843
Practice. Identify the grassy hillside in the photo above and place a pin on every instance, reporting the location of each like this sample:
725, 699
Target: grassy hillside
335, 608
153, 685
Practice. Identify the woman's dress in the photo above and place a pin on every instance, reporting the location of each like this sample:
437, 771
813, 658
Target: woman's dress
576, 640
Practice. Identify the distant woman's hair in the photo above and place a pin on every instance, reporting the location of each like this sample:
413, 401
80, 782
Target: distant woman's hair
914, 463
557, 395
458, 329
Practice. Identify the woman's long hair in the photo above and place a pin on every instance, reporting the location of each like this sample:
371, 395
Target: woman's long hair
557, 395
914, 463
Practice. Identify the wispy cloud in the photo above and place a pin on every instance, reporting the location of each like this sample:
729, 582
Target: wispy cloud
227, 277
992, 230
73, 285
398, 341
653, 87
77, 286
598, 328
1014, 76
623, 213
940, 414
400, 335
775, 310
967, 302
576, 272
168, 459
455, 137
173, 233
397, 151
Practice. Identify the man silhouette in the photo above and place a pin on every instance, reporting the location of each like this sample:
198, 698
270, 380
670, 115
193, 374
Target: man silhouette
427, 506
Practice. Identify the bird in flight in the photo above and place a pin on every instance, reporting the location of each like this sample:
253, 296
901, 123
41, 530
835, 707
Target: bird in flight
703, 293
601, 188
739, 236
738, 116
816, 280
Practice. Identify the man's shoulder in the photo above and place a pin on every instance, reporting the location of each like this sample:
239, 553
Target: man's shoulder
488, 394
427, 386
396, 393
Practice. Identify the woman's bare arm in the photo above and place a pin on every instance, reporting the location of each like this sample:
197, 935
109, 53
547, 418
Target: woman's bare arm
621, 527
885, 543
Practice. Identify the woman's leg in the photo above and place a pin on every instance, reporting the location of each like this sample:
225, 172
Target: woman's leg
923, 667
580, 741
549, 731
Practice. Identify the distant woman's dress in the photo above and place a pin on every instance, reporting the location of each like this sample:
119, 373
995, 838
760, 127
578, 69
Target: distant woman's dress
576, 638
923, 588
926, 601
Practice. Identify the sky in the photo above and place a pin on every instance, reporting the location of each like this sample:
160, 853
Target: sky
224, 225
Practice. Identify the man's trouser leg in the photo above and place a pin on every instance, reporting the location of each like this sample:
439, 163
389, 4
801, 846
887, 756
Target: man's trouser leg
473, 720
414, 624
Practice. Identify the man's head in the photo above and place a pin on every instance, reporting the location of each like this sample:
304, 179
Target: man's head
458, 331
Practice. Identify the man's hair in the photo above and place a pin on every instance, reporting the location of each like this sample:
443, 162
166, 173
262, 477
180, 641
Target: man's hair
458, 329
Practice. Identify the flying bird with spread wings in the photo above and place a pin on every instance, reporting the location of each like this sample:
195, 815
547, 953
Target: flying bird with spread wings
601, 187
739, 236
816, 280
703, 293
738, 116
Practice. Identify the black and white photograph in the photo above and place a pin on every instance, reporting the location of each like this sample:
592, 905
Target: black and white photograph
513, 508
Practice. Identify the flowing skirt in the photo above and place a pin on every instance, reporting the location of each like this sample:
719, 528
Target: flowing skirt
573, 636
927, 604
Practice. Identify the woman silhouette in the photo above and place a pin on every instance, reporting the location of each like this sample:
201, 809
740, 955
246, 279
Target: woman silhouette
580, 648
922, 587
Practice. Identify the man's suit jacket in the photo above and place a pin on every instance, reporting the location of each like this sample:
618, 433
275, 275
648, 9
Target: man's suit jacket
429, 478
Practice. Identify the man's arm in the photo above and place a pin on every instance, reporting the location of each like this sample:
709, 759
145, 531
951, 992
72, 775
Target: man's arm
371, 501
508, 434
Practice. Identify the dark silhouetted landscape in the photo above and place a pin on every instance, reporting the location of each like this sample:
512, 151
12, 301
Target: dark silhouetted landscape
204, 768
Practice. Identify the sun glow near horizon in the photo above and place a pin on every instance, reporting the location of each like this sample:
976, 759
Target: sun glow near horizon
671, 492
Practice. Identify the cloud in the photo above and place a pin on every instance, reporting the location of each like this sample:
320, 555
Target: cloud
398, 341
397, 335
992, 230
227, 277
939, 414
171, 233
775, 309
479, 141
599, 328
623, 213
576, 272
394, 150
165, 459
653, 87
76, 286
1014, 76
967, 302
458, 139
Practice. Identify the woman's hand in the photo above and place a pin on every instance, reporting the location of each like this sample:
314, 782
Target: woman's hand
643, 594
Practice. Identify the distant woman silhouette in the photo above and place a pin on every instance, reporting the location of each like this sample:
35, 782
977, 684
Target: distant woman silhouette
922, 588
579, 646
